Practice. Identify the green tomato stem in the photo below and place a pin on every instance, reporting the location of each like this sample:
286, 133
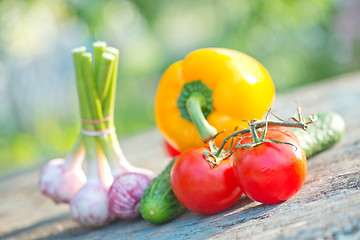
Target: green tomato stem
193, 106
261, 124
218, 154
254, 133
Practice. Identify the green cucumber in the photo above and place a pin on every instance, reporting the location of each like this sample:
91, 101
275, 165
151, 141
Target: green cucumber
325, 132
159, 204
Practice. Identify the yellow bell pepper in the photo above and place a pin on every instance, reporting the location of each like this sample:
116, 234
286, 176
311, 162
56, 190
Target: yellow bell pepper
211, 90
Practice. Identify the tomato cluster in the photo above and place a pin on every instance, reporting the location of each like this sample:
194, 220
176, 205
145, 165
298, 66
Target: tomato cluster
270, 172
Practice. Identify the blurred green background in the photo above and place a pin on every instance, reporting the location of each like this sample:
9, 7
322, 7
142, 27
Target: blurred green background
298, 41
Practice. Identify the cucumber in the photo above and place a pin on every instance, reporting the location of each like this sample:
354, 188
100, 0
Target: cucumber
159, 204
325, 132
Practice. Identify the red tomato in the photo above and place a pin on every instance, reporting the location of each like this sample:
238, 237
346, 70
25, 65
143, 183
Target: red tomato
271, 172
172, 152
199, 186
285, 130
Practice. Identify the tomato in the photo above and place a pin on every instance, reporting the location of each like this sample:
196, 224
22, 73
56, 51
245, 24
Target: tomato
199, 186
271, 172
284, 130
171, 152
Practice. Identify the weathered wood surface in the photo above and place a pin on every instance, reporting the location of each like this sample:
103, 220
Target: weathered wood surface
327, 207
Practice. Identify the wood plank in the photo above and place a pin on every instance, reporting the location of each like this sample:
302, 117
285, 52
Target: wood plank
328, 205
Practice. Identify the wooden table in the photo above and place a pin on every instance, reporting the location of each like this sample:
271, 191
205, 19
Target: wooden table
327, 206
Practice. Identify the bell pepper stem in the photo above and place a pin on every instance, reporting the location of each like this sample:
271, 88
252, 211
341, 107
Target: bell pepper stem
193, 106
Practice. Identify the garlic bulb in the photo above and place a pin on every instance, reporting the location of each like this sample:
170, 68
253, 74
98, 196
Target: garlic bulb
126, 192
60, 179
